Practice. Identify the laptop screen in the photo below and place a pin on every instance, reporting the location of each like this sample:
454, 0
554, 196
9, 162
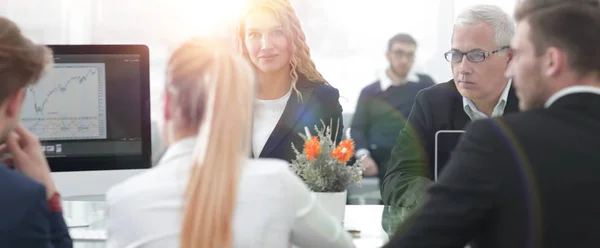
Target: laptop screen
445, 142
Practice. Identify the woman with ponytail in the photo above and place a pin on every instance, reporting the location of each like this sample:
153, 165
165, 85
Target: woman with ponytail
205, 192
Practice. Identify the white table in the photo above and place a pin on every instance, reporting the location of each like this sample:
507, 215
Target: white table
366, 218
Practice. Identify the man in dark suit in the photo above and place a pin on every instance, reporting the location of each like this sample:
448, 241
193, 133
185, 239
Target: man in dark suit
384, 105
479, 57
527, 179
30, 213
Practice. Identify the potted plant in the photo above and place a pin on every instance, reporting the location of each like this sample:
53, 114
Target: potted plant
324, 166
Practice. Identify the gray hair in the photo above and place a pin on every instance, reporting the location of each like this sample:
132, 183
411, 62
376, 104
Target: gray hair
501, 22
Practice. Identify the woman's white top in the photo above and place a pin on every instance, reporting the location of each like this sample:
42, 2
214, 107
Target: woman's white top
266, 115
274, 209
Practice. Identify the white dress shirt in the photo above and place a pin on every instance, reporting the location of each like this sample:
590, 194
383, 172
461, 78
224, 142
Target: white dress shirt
266, 116
386, 82
274, 207
475, 114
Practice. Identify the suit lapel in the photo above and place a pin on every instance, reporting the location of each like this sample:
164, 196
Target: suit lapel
293, 112
458, 118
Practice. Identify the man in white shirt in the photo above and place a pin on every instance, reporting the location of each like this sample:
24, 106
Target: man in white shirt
478, 57
384, 105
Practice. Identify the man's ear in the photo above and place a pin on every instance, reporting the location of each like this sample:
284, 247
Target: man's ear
554, 61
166, 106
388, 55
510, 54
14, 103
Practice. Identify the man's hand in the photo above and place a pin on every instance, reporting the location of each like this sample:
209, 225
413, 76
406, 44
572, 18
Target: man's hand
370, 167
27, 157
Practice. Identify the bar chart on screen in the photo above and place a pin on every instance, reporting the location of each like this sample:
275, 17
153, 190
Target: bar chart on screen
62, 106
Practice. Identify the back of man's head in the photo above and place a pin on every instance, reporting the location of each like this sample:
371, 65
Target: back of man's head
572, 26
530, 5
21, 61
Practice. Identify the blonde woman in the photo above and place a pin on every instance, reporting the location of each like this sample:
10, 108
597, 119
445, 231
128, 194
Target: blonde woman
205, 192
291, 94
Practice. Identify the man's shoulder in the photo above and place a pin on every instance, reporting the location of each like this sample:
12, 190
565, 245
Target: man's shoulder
425, 78
372, 88
21, 192
509, 126
439, 94
15, 183
525, 119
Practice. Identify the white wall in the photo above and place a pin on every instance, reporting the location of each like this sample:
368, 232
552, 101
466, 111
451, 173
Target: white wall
348, 37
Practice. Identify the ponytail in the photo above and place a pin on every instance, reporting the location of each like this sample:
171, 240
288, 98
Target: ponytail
227, 84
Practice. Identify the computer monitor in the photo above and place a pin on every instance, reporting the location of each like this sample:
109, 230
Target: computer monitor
91, 112
445, 142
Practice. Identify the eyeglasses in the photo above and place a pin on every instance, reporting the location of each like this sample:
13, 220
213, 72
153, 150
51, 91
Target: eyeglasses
455, 56
401, 53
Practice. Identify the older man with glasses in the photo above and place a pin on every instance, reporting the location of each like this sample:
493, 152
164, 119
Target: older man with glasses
479, 57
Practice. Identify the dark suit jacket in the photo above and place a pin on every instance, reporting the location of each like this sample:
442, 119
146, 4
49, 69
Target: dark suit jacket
25, 220
319, 102
439, 107
522, 180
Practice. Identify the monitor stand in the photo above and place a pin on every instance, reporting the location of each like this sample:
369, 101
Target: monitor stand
87, 187
85, 198
75, 224
91, 199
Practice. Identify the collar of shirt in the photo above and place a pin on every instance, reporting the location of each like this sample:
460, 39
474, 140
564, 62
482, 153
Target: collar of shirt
474, 113
181, 147
385, 81
571, 90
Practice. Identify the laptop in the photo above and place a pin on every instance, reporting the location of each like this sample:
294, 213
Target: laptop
445, 142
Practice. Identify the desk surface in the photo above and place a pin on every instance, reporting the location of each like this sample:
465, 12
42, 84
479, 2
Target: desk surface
366, 218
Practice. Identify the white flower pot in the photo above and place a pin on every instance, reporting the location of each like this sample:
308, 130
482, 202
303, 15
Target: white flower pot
333, 202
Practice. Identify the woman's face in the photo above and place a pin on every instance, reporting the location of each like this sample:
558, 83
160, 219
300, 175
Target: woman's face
266, 43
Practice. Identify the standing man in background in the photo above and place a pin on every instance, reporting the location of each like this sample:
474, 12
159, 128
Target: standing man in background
384, 105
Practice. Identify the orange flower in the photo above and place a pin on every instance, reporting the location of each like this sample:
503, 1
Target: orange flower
344, 151
312, 148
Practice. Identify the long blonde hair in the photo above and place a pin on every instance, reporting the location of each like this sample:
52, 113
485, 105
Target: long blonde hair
212, 90
300, 60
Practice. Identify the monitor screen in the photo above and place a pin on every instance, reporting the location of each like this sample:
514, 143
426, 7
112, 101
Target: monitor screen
445, 142
91, 109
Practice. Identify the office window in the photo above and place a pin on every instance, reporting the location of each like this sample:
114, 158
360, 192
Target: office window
348, 38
